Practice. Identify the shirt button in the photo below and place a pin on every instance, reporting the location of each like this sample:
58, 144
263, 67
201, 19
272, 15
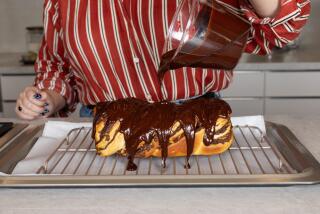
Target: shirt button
149, 98
136, 60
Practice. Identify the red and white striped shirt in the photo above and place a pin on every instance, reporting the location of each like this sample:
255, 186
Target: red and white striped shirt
102, 50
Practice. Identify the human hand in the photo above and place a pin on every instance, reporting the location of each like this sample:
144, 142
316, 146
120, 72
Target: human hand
34, 104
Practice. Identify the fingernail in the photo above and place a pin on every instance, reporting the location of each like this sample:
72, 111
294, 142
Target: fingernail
46, 104
45, 112
37, 96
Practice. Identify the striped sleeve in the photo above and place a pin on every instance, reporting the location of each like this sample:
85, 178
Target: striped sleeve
52, 67
285, 27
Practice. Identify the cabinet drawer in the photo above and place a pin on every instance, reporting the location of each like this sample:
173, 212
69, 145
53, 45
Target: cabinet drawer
293, 106
246, 107
293, 84
11, 86
246, 84
9, 110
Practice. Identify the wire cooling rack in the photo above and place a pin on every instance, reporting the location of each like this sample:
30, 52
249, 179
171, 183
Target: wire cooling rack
251, 154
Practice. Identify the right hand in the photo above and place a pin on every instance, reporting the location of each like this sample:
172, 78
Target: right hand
35, 104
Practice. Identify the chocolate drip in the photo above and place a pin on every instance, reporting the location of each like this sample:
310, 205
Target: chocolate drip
141, 121
188, 124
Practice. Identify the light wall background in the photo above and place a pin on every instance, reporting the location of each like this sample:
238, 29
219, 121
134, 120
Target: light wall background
15, 16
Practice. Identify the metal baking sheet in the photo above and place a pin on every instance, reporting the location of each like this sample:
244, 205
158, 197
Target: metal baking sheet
16, 129
254, 159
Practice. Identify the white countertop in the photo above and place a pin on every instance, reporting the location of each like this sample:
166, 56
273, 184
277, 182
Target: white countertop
294, 199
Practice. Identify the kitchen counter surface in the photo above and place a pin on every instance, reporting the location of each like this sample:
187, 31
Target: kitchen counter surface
262, 200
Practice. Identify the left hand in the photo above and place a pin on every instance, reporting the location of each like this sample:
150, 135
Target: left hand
34, 104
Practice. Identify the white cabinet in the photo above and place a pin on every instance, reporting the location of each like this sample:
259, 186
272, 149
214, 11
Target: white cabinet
245, 94
9, 110
245, 84
274, 92
293, 84
11, 86
293, 106
246, 107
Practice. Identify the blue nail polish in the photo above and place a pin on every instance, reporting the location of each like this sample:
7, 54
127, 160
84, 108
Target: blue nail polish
46, 111
46, 104
42, 114
37, 96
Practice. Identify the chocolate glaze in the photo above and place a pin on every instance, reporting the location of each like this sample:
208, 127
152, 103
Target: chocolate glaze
224, 37
143, 121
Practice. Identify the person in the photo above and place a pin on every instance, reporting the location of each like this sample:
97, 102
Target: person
104, 50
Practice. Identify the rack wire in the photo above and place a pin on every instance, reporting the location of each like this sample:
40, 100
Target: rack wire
252, 153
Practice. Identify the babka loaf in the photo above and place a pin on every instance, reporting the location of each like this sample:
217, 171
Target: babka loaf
136, 128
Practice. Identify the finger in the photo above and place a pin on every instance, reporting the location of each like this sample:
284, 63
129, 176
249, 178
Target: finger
49, 105
28, 113
45, 114
48, 111
34, 90
44, 96
31, 107
38, 95
32, 97
22, 115
27, 108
